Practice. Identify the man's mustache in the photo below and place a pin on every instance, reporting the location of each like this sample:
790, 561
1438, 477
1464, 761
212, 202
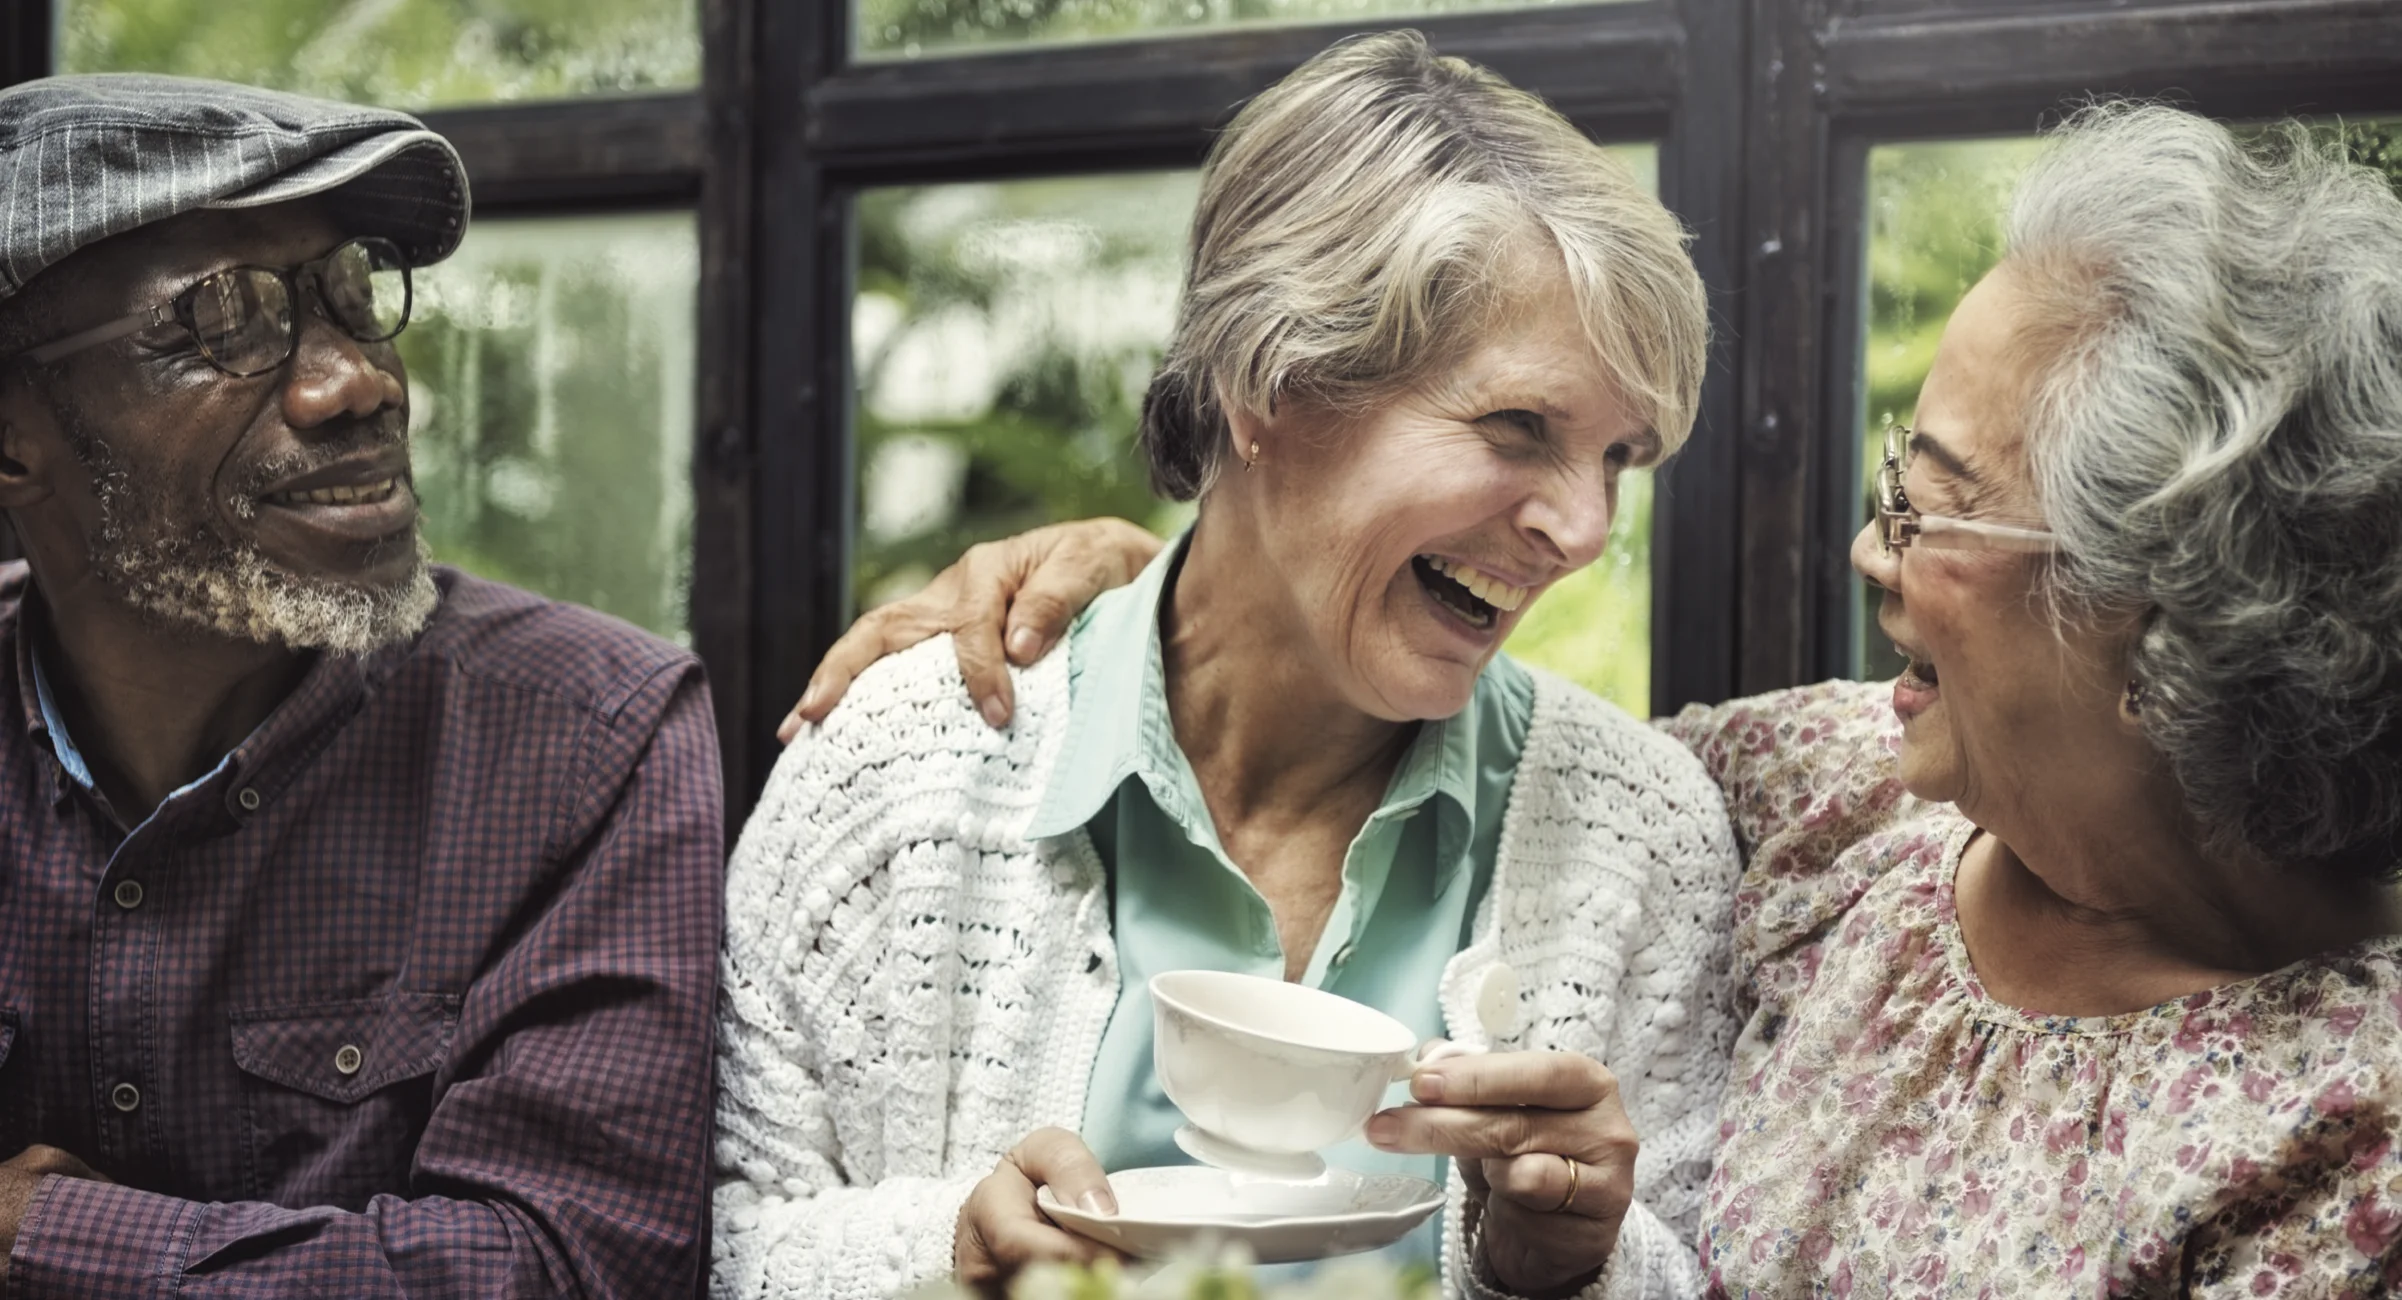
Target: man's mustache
328, 445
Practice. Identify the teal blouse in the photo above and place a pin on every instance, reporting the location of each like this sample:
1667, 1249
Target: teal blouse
1412, 877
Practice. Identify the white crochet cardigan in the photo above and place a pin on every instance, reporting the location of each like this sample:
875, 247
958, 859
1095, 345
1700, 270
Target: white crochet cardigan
911, 985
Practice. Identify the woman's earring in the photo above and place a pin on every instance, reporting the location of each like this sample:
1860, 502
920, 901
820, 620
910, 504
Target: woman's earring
1251, 462
2132, 702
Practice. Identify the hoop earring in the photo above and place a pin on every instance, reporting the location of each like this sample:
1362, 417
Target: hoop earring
1251, 462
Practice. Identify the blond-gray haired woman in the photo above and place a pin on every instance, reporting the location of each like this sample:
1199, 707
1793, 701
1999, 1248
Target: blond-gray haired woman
1426, 326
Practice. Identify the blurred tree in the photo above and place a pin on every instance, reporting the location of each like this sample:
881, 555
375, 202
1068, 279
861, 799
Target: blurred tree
400, 53
551, 369
912, 27
1003, 336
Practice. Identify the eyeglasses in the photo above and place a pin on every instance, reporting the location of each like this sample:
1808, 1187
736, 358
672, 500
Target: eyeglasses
243, 319
1899, 524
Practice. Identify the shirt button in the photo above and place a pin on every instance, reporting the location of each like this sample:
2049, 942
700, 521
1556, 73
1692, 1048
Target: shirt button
249, 799
125, 1097
348, 1059
1342, 955
128, 894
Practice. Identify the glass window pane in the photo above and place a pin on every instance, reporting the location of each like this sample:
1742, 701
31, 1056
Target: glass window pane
909, 28
399, 53
551, 401
1002, 337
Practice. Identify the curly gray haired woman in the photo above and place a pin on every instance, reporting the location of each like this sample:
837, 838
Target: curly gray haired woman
2218, 442
2077, 950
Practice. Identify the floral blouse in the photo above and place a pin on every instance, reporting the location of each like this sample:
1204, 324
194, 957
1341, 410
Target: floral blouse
1890, 1130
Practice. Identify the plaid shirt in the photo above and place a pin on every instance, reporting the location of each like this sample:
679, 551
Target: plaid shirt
412, 995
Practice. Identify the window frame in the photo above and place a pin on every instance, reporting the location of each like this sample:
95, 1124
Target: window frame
1763, 110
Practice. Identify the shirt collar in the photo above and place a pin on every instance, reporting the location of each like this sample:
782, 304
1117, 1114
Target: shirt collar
70, 759
1119, 727
332, 690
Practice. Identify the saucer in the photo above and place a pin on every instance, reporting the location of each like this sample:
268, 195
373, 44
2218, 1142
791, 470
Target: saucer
1282, 1221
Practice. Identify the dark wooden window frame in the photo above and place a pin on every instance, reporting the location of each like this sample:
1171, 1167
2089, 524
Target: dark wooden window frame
1764, 112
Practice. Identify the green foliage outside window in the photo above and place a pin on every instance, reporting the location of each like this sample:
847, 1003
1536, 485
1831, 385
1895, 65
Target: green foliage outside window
551, 404
908, 28
398, 53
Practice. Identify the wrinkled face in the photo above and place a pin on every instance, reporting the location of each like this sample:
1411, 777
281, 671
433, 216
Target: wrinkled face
1413, 537
1996, 702
272, 508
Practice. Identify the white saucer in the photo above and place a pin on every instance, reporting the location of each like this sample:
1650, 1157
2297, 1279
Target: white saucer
1282, 1221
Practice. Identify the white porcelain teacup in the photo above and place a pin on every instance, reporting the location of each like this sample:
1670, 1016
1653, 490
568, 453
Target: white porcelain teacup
1274, 1069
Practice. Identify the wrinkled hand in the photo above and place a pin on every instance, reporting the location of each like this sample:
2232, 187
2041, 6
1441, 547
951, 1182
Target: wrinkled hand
20, 1175
1512, 1121
1001, 1231
1033, 584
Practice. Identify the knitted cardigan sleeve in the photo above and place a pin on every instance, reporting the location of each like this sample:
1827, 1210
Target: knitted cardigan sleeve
849, 1130
1615, 909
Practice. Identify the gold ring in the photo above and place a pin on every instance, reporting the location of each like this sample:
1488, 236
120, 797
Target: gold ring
1570, 1198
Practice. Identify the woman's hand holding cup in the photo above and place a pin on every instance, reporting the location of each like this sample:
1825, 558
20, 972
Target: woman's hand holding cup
1547, 1151
1001, 1231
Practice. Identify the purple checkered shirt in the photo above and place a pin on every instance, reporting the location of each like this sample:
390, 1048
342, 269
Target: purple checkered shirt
411, 996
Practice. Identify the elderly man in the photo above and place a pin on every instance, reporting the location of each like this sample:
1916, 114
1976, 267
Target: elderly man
358, 918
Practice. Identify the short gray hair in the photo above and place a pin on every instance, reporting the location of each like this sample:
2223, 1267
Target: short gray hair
1361, 220
2216, 433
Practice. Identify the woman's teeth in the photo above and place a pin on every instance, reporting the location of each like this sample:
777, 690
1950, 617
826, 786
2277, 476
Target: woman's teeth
1920, 672
363, 494
1484, 586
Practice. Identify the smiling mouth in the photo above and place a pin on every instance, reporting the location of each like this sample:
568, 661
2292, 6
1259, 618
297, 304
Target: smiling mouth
1919, 672
1477, 597
364, 494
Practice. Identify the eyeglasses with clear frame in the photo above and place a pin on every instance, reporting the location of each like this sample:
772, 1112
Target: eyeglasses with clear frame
1900, 524
243, 319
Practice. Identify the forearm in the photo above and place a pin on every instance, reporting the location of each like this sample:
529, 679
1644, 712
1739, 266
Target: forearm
85, 1238
839, 1243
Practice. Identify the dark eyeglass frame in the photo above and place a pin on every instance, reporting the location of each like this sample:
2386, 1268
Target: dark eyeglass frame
1900, 524
179, 311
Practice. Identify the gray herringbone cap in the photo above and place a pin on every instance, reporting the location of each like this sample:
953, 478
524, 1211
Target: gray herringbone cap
86, 157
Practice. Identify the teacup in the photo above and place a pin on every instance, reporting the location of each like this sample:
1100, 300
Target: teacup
1275, 1069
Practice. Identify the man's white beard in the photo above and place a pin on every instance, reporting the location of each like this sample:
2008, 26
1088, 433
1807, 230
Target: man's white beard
199, 578
242, 594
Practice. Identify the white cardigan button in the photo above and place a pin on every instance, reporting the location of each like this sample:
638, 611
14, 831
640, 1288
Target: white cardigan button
1497, 1003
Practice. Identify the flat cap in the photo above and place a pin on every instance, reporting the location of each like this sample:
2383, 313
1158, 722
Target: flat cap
86, 157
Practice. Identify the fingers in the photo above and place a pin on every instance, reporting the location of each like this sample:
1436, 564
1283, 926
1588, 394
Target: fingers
1551, 1080
989, 575
1058, 1159
1002, 1229
1486, 1132
1527, 1103
878, 633
1029, 587
1082, 560
1546, 1184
